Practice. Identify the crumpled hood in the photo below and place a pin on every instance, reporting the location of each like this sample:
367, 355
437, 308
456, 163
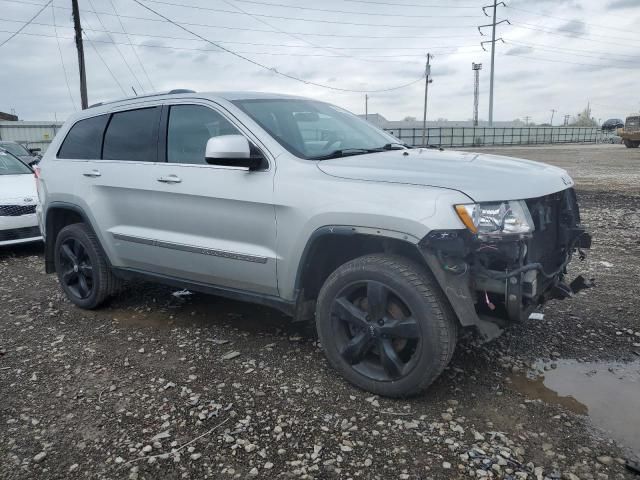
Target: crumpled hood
482, 177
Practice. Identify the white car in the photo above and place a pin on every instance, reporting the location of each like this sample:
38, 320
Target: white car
18, 199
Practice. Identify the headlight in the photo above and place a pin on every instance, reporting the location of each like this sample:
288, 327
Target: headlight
496, 219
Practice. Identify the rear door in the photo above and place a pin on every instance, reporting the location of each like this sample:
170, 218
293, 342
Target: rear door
215, 224
117, 186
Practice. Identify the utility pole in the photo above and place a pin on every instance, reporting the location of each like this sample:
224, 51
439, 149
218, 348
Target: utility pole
476, 67
553, 111
566, 120
427, 81
83, 75
526, 120
366, 107
493, 41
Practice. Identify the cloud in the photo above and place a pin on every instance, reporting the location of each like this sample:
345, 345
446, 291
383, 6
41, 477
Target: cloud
574, 28
520, 50
620, 4
33, 80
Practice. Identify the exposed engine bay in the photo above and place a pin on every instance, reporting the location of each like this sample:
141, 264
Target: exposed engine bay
507, 277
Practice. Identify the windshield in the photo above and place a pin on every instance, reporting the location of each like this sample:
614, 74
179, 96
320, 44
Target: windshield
312, 130
14, 148
10, 165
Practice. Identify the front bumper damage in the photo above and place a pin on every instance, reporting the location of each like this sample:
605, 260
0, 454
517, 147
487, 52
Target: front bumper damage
494, 282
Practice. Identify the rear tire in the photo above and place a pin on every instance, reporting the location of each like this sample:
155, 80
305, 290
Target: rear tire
385, 325
82, 267
631, 143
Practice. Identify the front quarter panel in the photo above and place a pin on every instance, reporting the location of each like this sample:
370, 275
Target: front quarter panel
307, 200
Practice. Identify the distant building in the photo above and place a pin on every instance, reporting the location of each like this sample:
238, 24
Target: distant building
8, 117
381, 122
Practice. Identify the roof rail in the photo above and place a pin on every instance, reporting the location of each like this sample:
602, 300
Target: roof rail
175, 91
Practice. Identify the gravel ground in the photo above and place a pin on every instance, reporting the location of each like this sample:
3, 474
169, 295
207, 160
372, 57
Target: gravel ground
162, 386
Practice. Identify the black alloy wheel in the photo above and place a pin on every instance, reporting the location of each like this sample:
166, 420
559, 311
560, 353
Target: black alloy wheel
82, 267
375, 331
385, 324
77, 270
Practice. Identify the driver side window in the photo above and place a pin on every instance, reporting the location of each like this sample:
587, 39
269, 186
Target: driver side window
189, 129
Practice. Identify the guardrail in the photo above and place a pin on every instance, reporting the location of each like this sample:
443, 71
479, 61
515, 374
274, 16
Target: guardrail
492, 136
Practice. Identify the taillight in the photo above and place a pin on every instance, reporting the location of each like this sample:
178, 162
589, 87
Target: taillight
36, 176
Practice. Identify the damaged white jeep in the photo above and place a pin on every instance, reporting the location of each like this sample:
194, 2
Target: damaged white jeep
302, 206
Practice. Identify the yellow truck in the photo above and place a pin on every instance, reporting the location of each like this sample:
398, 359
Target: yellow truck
631, 132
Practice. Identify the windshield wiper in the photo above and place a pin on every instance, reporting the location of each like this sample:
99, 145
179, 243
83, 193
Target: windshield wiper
346, 152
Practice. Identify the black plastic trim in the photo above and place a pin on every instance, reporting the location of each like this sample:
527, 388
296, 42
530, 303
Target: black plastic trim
285, 306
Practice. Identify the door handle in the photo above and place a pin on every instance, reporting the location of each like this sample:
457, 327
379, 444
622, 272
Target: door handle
92, 174
170, 179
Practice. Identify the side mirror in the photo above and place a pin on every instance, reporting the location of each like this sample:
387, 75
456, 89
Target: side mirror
34, 162
232, 151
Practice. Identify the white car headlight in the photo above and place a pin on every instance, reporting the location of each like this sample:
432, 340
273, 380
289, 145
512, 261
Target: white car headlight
496, 219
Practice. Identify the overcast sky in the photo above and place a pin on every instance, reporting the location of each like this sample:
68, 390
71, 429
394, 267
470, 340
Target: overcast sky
559, 54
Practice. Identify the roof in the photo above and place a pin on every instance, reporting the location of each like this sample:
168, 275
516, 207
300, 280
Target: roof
182, 93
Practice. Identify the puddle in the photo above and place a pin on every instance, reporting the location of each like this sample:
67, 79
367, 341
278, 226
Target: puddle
609, 393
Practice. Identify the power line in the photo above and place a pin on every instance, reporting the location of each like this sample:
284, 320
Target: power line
345, 12
64, 69
265, 31
116, 46
26, 24
374, 59
272, 69
104, 63
572, 53
581, 35
135, 52
553, 48
447, 48
276, 28
411, 4
572, 20
224, 27
301, 19
568, 62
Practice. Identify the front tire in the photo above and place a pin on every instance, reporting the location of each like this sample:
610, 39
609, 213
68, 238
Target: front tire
385, 325
82, 268
631, 143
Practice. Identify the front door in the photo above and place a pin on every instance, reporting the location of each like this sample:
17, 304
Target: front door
215, 224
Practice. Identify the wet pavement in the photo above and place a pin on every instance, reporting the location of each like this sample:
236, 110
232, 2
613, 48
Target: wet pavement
608, 392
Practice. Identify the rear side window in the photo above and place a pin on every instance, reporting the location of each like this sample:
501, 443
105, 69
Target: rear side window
84, 140
132, 135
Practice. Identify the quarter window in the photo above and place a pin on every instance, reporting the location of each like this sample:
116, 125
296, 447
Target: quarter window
190, 126
132, 135
84, 140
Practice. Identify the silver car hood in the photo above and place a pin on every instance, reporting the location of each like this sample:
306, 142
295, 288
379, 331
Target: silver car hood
482, 177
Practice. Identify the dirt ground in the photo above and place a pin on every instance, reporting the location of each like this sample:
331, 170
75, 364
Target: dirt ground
145, 388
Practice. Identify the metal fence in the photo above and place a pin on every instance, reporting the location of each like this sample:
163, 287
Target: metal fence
481, 136
30, 134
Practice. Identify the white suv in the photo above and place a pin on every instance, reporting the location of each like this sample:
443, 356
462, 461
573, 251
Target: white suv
302, 206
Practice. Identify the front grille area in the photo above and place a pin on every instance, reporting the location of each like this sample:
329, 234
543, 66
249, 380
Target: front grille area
19, 233
554, 217
16, 210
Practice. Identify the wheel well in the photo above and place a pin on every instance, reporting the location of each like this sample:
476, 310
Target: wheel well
57, 219
329, 251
